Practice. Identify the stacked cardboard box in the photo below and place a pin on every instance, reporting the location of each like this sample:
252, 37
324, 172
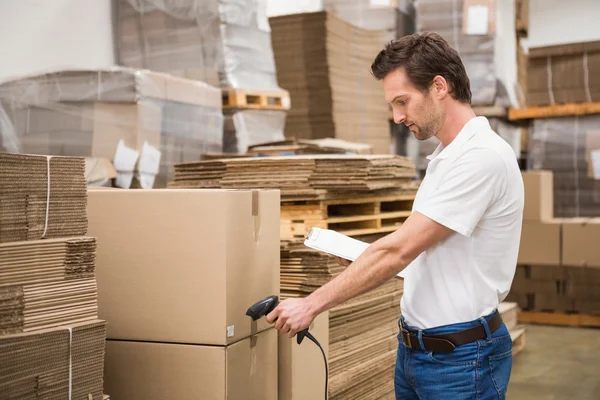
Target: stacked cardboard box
225, 43
362, 331
483, 33
324, 63
562, 73
143, 121
397, 17
568, 146
177, 270
52, 343
558, 258
299, 177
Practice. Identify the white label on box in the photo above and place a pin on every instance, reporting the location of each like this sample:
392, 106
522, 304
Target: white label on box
285, 102
146, 180
125, 158
231, 331
477, 20
149, 159
595, 155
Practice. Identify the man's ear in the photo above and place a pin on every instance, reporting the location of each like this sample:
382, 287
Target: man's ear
440, 86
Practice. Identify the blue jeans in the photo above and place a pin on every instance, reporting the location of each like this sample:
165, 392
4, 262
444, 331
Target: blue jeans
474, 371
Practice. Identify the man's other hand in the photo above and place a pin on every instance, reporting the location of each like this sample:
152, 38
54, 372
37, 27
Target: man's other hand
292, 315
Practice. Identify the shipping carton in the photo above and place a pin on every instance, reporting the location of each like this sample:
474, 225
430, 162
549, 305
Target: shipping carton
540, 243
539, 197
183, 266
301, 367
580, 242
159, 371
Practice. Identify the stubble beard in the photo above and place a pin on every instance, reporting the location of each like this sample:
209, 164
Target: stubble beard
432, 121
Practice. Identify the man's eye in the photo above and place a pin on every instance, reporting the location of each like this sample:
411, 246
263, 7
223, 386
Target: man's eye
401, 102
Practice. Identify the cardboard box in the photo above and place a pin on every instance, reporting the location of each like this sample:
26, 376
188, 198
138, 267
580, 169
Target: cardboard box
183, 266
580, 242
158, 371
301, 367
540, 243
539, 196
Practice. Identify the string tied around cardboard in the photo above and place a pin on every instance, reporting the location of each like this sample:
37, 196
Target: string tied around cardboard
47, 199
70, 329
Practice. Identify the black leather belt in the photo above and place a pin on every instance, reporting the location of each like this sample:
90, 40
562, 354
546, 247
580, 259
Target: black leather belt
448, 342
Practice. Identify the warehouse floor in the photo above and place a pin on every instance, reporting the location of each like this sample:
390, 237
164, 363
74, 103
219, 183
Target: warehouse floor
557, 364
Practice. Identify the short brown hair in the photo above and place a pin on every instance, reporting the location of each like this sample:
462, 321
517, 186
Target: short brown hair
423, 56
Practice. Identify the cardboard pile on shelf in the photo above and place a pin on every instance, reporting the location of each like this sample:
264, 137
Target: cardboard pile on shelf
57, 363
324, 63
141, 120
362, 331
51, 340
177, 301
483, 33
566, 146
41, 197
299, 176
47, 283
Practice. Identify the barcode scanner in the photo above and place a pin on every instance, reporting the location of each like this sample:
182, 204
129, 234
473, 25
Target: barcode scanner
265, 306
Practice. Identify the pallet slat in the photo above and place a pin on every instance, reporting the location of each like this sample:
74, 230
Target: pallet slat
557, 110
561, 319
256, 99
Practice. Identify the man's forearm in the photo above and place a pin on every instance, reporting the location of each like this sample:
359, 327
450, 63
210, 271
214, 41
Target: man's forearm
375, 266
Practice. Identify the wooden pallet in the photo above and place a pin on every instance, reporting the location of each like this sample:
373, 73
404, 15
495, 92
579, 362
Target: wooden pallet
352, 217
560, 319
518, 338
256, 99
557, 110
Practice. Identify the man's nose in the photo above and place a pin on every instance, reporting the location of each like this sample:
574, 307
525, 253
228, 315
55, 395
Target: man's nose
399, 117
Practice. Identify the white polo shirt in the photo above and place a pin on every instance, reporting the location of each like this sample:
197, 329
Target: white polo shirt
474, 187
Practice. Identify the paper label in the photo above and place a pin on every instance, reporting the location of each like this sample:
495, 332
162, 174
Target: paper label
286, 102
477, 20
381, 3
149, 159
595, 156
231, 331
125, 158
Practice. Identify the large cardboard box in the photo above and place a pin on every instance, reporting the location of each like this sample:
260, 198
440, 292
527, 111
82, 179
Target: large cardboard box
183, 266
580, 245
539, 196
158, 371
540, 243
301, 367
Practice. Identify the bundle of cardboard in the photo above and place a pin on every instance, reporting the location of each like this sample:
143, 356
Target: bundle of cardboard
324, 63
362, 331
47, 283
65, 362
41, 197
569, 147
299, 176
141, 120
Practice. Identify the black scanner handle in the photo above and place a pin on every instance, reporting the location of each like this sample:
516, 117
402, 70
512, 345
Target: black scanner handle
264, 307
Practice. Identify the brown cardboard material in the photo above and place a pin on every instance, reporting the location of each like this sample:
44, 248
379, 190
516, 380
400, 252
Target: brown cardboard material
301, 368
183, 266
580, 242
539, 198
540, 243
157, 371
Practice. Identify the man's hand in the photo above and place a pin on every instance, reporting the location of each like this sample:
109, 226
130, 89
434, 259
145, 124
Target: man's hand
292, 315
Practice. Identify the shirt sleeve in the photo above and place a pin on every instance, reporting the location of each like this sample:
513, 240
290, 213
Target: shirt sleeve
471, 184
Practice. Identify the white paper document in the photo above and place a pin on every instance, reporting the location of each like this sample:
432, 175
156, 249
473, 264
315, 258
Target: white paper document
336, 244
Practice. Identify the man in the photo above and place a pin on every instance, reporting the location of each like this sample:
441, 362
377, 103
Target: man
461, 240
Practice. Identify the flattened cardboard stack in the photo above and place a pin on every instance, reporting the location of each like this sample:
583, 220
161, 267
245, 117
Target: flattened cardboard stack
47, 283
41, 197
299, 177
324, 63
45, 364
362, 331
52, 343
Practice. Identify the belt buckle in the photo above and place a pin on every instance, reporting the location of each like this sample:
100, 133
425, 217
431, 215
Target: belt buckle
406, 338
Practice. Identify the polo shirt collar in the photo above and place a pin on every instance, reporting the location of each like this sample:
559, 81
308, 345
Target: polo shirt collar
463, 137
